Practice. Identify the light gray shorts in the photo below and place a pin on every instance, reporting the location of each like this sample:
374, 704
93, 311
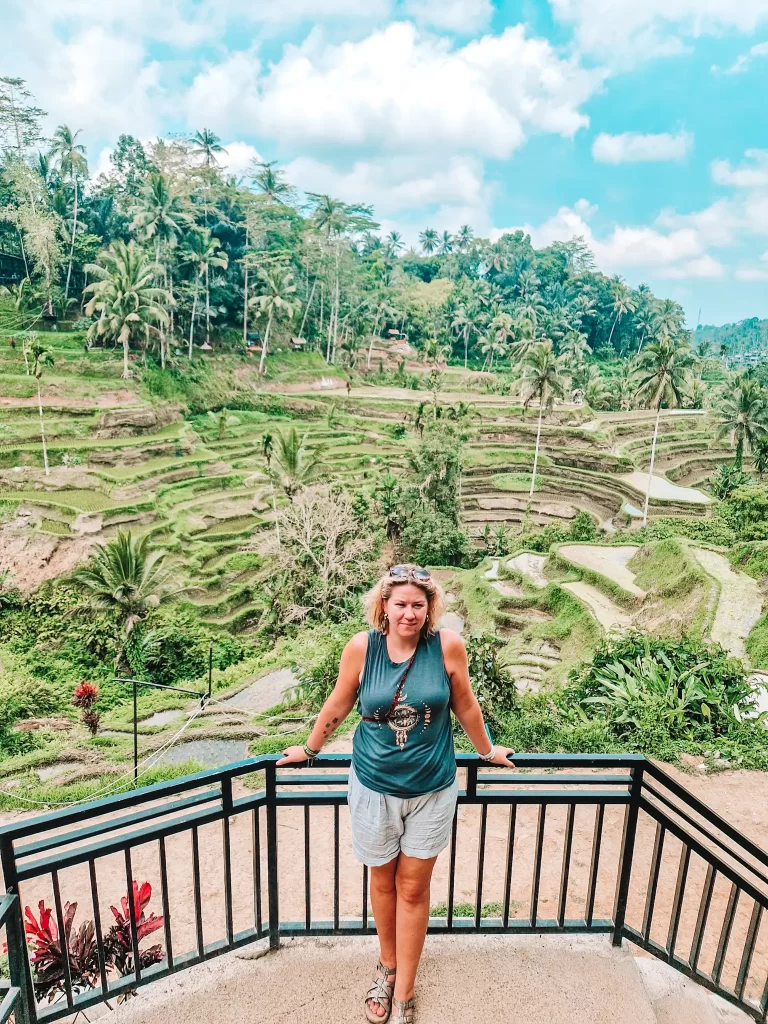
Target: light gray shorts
384, 826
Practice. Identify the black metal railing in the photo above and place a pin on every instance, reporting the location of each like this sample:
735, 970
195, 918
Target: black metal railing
572, 843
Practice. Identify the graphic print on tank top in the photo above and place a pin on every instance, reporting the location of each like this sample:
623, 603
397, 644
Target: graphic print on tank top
404, 717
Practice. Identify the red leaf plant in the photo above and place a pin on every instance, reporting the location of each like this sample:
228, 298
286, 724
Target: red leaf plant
47, 954
118, 944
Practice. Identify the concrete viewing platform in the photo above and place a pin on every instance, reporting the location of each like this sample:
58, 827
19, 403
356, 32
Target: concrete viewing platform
488, 979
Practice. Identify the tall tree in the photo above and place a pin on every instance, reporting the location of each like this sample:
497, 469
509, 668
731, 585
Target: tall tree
125, 295
743, 416
202, 251
275, 302
623, 302
70, 157
663, 371
206, 144
20, 120
41, 357
429, 240
270, 182
541, 379
295, 464
127, 579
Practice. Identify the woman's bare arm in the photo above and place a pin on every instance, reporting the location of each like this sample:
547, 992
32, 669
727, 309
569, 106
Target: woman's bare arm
341, 701
464, 703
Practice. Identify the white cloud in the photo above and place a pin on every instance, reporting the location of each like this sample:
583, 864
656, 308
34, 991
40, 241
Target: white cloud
627, 31
238, 158
402, 90
753, 174
633, 147
675, 254
743, 61
751, 274
452, 15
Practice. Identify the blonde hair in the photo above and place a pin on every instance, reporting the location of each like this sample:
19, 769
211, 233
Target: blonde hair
375, 612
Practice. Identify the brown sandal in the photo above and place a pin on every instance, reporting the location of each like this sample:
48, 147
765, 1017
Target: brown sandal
402, 1011
381, 992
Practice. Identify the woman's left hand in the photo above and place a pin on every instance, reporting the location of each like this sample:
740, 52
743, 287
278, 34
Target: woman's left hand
501, 756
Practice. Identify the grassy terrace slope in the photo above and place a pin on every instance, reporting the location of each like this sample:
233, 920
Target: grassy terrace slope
119, 456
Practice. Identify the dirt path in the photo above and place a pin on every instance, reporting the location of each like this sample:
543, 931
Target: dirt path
531, 566
740, 602
661, 488
608, 614
608, 561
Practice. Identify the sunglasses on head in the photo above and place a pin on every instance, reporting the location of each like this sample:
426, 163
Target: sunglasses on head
404, 572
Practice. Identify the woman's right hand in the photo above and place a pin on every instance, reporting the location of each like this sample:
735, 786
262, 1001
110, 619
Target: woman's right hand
293, 755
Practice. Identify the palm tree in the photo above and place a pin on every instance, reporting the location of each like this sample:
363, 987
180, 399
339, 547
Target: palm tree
462, 324
223, 421
276, 301
662, 375
542, 380
41, 357
127, 579
394, 242
267, 451
295, 464
491, 345
160, 213
429, 240
743, 415
270, 182
445, 244
464, 237
72, 166
647, 325
206, 144
623, 302
597, 394
130, 303
203, 251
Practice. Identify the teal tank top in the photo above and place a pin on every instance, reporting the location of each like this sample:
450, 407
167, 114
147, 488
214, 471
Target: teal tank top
412, 753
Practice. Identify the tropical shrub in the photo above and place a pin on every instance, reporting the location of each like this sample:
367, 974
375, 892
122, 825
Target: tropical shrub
646, 687
724, 481
491, 680
433, 538
745, 511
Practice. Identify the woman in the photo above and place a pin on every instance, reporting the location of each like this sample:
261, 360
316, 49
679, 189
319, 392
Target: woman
407, 676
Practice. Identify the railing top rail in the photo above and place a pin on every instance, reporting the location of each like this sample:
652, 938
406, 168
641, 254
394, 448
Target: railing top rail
212, 776
706, 812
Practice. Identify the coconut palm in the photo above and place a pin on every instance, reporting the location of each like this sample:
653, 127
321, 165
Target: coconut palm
270, 182
206, 144
491, 345
394, 242
446, 244
462, 324
464, 237
125, 295
160, 214
202, 251
223, 421
623, 302
663, 370
743, 416
41, 357
597, 393
70, 156
126, 578
429, 240
277, 301
541, 379
295, 464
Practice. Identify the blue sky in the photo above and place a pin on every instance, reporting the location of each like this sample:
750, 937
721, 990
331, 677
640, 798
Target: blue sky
638, 124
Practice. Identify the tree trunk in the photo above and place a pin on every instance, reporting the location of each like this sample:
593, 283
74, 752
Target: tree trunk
274, 509
207, 306
23, 252
739, 461
263, 360
466, 346
536, 450
245, 295
650, 471
192, 323
614, 327
24, 353
126, 371
306, 308
42, 429
162, 349
71, 249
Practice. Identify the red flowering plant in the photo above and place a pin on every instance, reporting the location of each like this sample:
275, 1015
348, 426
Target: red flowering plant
47, 951
118, 945
84, 696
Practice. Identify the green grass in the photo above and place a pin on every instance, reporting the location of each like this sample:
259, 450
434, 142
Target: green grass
79, 499
517, 482
55, 526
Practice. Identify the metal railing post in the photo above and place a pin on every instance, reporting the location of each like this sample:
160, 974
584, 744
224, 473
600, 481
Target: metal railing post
18, 962
274, 901
627, 854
